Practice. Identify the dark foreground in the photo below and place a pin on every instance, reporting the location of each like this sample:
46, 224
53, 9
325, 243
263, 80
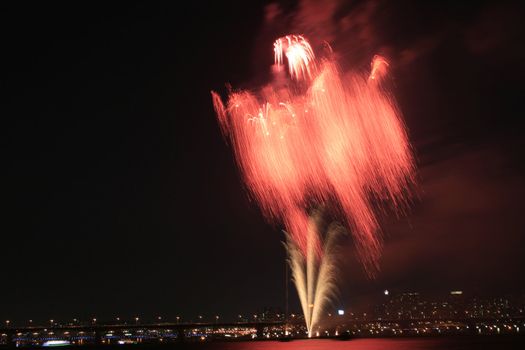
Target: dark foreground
431, 343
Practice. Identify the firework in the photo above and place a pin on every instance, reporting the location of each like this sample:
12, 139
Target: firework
299, 54
314, 276
379, 67
340, 141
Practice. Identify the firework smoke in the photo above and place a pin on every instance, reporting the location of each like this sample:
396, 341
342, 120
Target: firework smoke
324, 139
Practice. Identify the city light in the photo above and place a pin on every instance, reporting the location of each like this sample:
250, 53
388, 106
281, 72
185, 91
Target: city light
53, 343
403, 314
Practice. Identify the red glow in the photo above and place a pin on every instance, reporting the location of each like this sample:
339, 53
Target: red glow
340, 140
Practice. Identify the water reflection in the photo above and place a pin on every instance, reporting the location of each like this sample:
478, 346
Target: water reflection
453, 343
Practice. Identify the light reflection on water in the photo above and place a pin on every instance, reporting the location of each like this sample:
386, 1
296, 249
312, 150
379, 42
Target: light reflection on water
459, 343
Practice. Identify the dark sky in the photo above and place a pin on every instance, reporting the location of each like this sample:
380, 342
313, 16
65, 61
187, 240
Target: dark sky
121, 198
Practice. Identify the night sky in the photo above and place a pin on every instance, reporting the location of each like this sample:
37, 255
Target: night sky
121, 198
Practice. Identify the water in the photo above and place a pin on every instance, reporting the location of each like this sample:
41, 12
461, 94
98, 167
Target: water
438, 343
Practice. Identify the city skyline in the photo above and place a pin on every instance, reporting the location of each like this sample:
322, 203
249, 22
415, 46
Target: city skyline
381, 298
399, 314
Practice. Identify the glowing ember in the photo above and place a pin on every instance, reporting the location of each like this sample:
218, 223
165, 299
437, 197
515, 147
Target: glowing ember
340, 142
379, 68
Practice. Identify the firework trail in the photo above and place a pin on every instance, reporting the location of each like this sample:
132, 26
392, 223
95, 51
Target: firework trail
314, 276
325, 139
379, 68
